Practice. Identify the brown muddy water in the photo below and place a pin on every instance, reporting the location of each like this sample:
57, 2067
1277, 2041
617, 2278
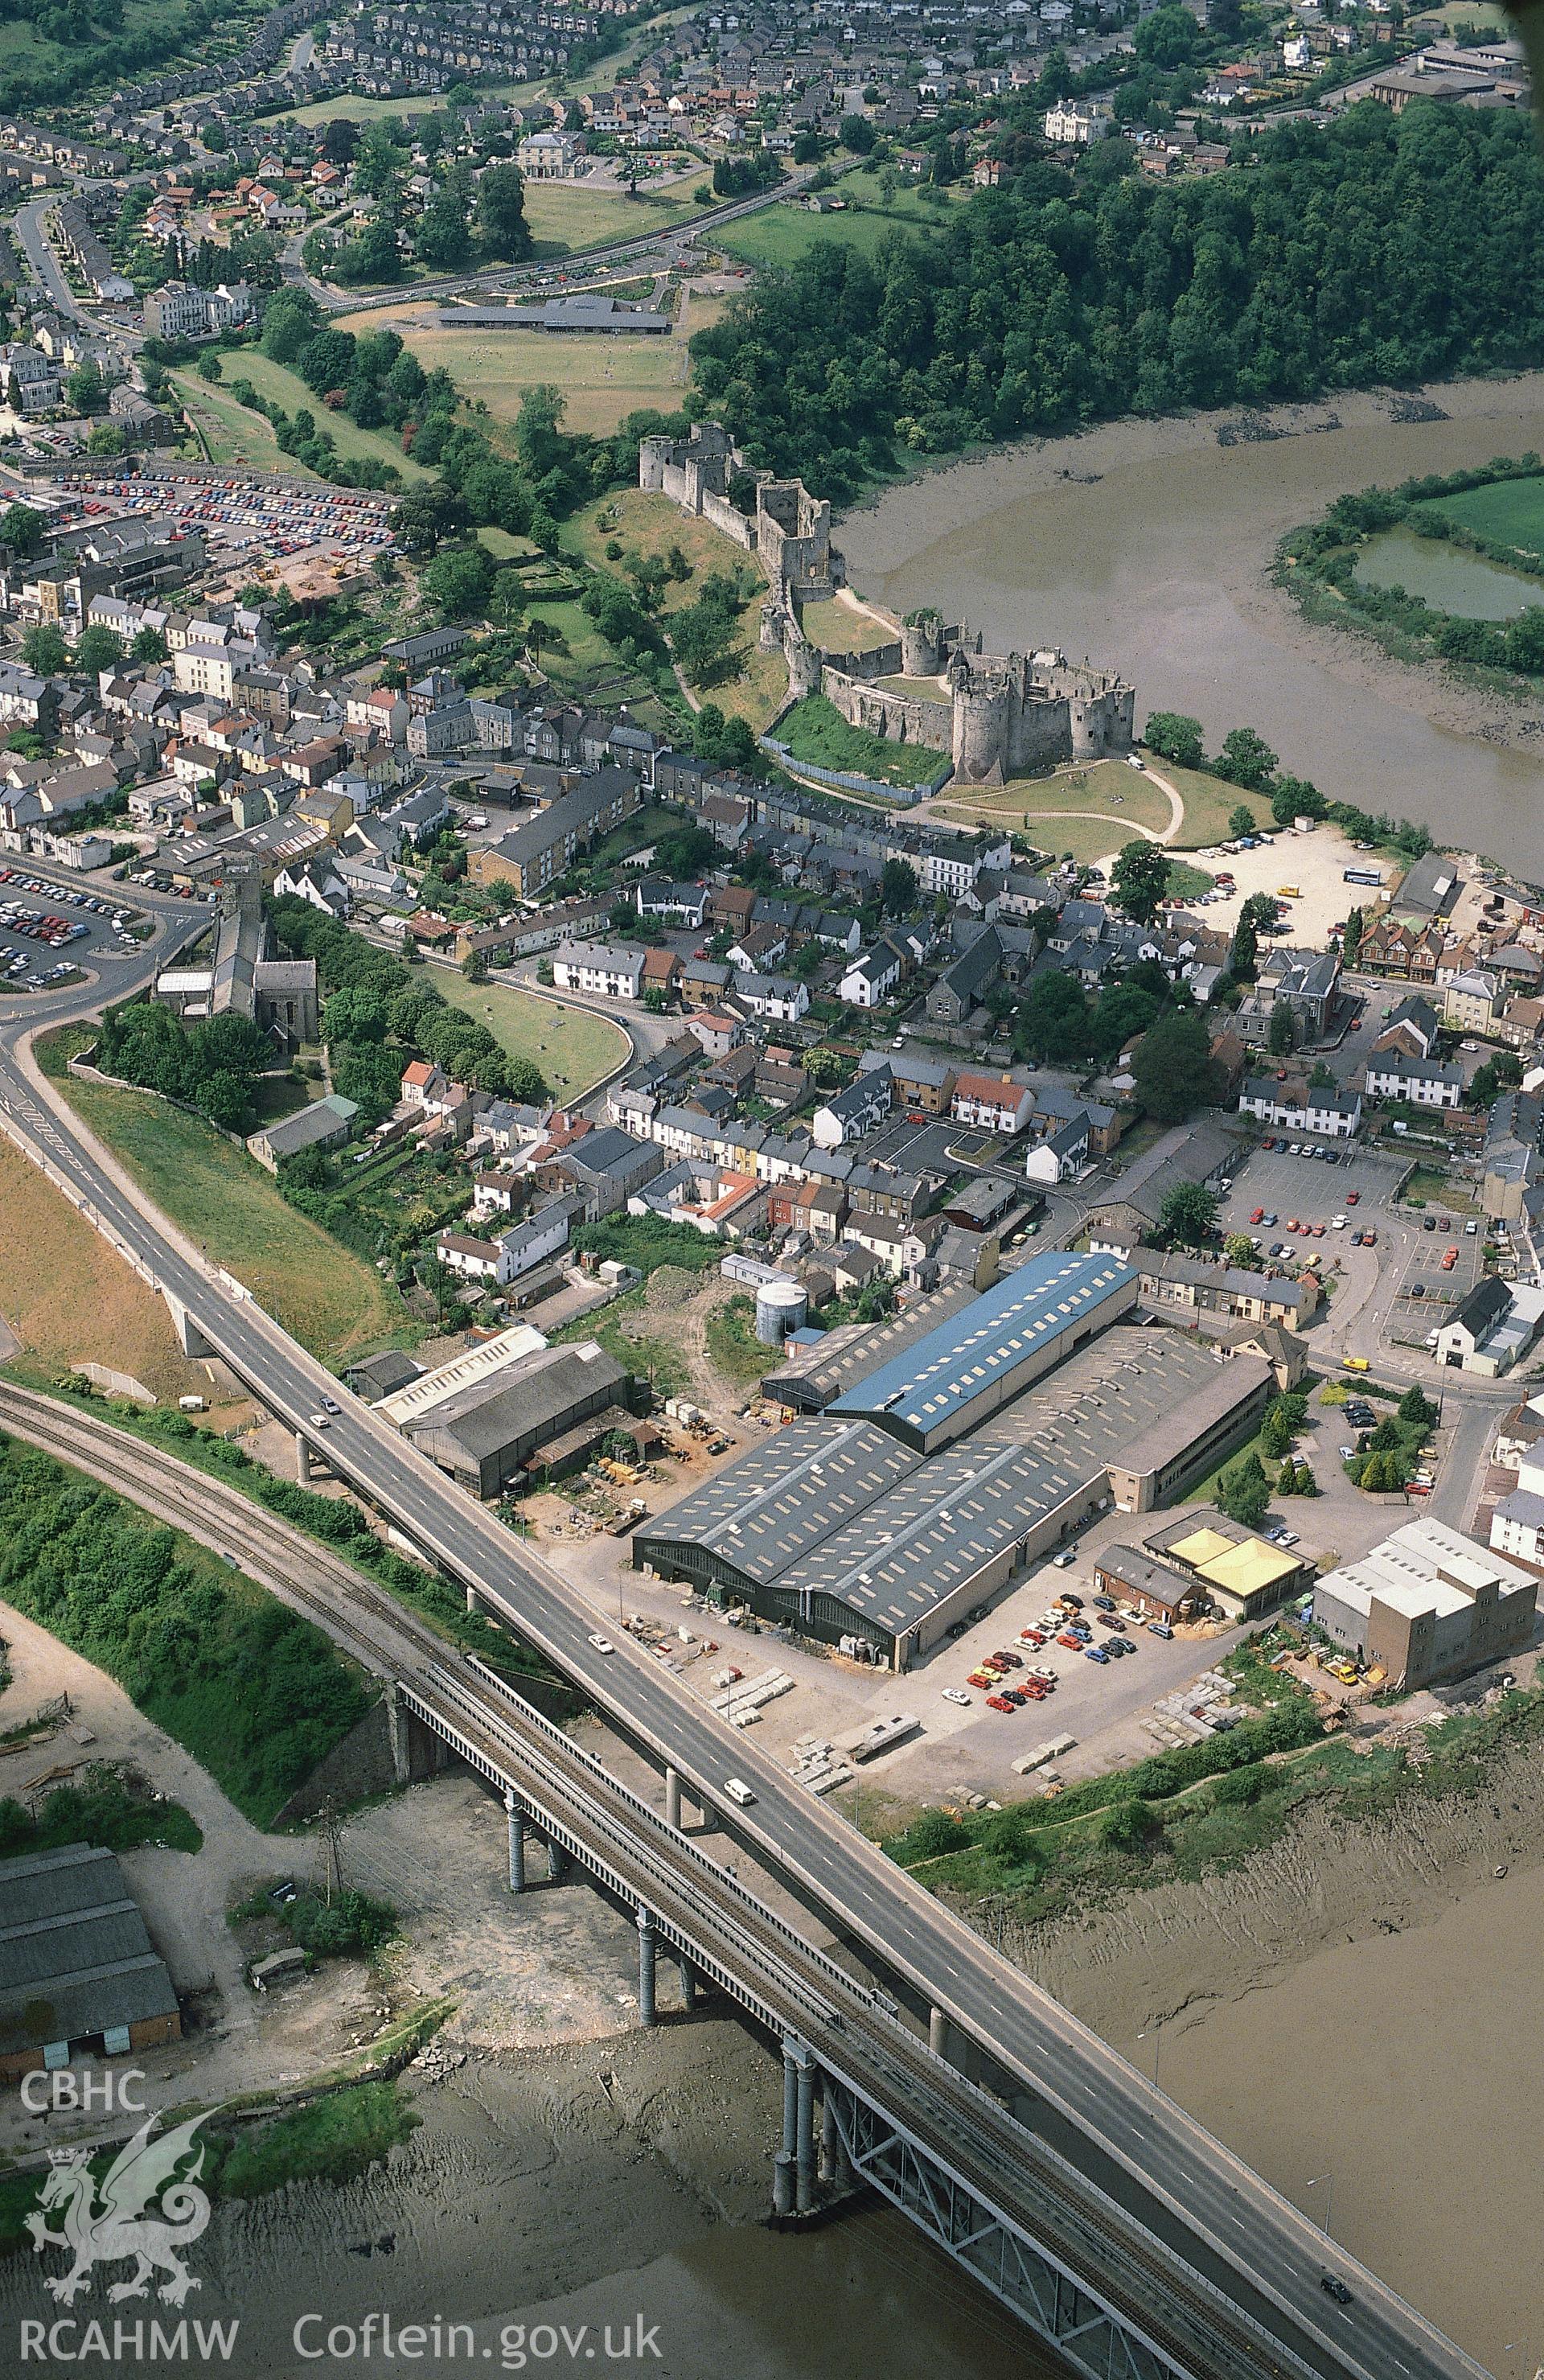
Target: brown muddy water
597, 2208
1146, 546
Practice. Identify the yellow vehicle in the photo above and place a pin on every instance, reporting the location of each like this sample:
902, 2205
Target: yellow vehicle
1343, 1671
1354, 1364
1289, 892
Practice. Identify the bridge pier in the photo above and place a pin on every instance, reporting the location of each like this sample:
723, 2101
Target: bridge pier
689, 1987
302, 1459
804, 2152
672, 1799
396, 1735
517, 1818
189, 1338
557, 1862
938, 2032
782, 2183
471, 1598
646, 1950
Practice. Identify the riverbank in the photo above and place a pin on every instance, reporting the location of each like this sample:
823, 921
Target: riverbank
1358, 1999
1149, 545
613, 2184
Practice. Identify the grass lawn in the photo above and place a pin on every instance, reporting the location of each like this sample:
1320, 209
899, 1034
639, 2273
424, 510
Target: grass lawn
918, 689
601, 380
781, 234
1186, 883
565, 218
1036, 804
505, 546
816, 731
370, 111
281, 386
233, 432
838, 630
1208, 804
329, 1299
1510, 511
573, 1047
588, 670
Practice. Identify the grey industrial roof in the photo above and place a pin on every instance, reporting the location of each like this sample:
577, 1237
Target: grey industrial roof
1168, 1435
980, 1350
532, 1393
788, 1495
852, 1351
307, 1125
75, 1958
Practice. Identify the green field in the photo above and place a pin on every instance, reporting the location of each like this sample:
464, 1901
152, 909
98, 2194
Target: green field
281, 386
601, 380
573, 1048
331, 1300
1208, 803
781, 234
1509, 511
1043, 807
837, 628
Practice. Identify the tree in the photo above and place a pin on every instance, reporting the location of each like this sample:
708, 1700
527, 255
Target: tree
856, 133
291, 318
1241, 822
1175, 736
1244, 1491
898, 888
1244, 953
1188, 1215
1351, 941
1239, 1248
1294, 797
1320, 1079
105, 438
1175, 1069
210, 367
1416, 1408
1283, 1030
1139, 879
44, 649
149, 646
85, 391
96, 650
1246, 759
501, 212
1053, 1023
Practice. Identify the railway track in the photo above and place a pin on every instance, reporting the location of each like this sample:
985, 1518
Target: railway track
761, 1960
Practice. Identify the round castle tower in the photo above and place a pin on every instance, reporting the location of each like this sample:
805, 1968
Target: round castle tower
980, 738
922, 645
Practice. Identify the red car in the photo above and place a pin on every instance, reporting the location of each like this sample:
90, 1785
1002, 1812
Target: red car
1270, 1141
1353, 1198
1074, 1644
999, 1703
1030, 1636
1259, 1215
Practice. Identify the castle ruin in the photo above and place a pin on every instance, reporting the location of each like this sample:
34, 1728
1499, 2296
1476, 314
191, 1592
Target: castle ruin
997, 715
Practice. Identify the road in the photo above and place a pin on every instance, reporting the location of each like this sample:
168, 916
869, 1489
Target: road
26, 225
1255, 2257
672, 246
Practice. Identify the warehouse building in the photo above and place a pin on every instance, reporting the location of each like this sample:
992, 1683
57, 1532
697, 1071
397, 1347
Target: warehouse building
79, 1974
977, 1362
1428, 1604
816, 1373
484, 1434
838, 1527
1182, 1445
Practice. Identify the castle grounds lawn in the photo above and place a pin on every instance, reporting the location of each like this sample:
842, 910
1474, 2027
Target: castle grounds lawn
1033, 805
331, 1300
815, 731
573, 1047
836, 628
1209, 802
1510, 511
781, 234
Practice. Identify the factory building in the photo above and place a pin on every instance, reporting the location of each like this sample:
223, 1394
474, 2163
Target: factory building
1428, 1604
79, 1974
841, 1526
484, 1434
977, 1362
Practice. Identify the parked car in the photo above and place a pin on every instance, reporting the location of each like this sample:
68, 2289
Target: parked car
957, 1694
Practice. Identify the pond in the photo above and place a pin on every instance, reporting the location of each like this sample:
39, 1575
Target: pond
1445, 576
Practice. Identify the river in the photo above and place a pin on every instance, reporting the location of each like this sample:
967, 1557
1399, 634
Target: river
1154, 558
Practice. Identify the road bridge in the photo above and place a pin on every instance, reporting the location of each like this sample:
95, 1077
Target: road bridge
1095, 2208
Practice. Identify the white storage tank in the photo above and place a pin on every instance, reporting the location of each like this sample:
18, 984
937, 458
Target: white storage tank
780, 1306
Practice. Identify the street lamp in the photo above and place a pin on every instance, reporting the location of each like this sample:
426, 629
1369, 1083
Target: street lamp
1157, 2032
1328, 2182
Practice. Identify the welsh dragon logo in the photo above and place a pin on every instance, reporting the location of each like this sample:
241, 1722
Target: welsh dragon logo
109, 2222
